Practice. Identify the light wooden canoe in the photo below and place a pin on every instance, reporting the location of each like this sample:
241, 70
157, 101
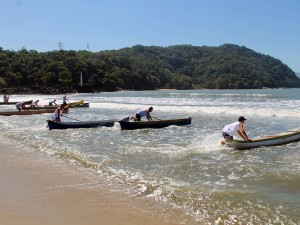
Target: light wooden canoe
81, 102
29, 112
84, 105
272, 140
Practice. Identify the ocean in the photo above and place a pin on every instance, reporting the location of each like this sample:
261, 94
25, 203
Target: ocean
185, 167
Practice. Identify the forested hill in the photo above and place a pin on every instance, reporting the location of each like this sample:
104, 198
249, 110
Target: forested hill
146, 68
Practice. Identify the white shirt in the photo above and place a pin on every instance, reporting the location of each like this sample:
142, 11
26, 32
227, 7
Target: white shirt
35, 103
55, 114
142, 113
231, 128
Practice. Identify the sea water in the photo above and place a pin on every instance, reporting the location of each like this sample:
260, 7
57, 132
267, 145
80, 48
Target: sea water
183, 166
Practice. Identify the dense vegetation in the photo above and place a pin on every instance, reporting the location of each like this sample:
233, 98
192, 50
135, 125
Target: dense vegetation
146, 68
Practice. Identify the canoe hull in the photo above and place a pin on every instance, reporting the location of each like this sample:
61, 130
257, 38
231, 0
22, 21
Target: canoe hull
79, 103
73, 125
278, 139
154, 124
13, 103
28, 112
84, 105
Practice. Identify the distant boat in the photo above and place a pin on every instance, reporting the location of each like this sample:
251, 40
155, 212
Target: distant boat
125, 125
84, 105
277, 139
79, 104
13, 103
29, 112
80, 124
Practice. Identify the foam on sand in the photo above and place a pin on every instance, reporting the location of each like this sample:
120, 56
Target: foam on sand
39, 189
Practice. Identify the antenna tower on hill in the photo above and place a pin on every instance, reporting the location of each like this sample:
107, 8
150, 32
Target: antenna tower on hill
60, 45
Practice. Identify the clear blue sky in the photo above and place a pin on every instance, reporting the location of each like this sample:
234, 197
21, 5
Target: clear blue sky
270, 27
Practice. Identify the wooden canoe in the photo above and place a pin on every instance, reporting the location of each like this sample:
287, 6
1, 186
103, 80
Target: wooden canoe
13, 103
81, 124
76, 103
125, 125
277, 139
84, 105
29, 112
81, 102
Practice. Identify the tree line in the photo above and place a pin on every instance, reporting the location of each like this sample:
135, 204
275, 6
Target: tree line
146, 68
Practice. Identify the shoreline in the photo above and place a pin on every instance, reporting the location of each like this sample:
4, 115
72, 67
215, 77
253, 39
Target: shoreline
40, 189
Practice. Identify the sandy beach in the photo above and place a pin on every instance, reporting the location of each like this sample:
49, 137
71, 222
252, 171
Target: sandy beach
40, 189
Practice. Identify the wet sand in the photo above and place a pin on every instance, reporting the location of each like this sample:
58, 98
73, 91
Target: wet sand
39, 189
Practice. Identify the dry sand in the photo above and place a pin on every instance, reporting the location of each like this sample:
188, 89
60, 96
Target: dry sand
38, 189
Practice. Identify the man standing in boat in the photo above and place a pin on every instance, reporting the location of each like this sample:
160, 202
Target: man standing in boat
142, 113
65, 99
58, 112
6, 99
238, 126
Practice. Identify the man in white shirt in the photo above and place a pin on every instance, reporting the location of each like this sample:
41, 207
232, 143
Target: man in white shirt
238, 126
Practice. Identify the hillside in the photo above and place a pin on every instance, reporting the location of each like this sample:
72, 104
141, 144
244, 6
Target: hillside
146, 68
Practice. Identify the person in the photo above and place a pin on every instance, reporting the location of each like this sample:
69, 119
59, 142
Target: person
6, 99
65, 99
53, 102
58, 113
142, 113
238, 126
20, 106
35, 103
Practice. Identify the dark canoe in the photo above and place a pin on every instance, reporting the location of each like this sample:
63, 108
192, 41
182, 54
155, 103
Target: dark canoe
154, 124
85, 124
13, 103
29, 112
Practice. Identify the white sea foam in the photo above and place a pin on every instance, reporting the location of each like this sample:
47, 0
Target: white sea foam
267, 111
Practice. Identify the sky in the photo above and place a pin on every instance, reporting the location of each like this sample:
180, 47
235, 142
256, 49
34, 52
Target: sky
270, 27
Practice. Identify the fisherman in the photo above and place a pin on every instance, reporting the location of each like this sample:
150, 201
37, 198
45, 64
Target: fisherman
142, 113
35, 103
6, 99
53, 102
20, 106
58, 113
238, 126
65, 100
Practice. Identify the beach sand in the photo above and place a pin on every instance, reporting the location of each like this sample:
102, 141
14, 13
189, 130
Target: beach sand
37, 189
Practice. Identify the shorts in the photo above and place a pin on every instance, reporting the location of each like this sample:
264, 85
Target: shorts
227, 136
138, 117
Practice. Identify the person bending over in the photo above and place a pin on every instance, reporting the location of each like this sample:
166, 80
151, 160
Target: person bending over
142, 113
238, 126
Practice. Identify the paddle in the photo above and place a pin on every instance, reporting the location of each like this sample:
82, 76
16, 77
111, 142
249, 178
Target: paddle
71, 118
